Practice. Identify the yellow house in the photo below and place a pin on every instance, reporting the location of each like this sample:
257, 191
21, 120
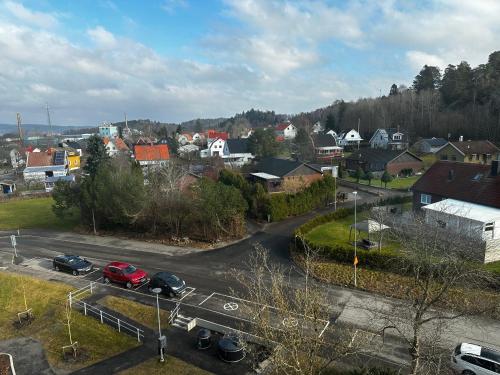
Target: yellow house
73, 161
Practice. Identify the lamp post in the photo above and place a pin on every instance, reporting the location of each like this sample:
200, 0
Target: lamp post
355, 241
161, 339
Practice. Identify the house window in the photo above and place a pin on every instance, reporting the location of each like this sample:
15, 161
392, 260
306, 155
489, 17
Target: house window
425, 199
454, 158
444, 157
489, 227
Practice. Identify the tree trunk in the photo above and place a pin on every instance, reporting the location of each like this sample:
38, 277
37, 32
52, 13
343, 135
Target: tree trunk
93, 222
415, 353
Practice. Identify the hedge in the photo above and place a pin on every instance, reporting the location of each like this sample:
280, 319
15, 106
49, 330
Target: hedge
344, 254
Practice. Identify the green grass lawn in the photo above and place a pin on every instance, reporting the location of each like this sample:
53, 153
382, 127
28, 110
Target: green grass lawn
337, 233
396, 183
47, 299
34, 213
143, 314
493, 267
171, 365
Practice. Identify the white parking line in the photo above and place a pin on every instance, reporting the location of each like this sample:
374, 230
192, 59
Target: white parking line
206, 299
188, 293
90, 273
140, 286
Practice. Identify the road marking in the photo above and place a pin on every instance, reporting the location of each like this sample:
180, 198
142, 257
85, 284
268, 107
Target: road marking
188, 293
205, 300
90, 273
324, 329
140, 286
230, 306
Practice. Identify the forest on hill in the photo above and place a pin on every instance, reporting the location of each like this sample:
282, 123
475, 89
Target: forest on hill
459, 101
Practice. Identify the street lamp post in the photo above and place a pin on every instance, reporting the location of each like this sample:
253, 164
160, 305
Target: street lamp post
355, 241
157, 291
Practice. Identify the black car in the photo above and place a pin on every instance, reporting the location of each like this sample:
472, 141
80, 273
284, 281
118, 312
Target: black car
72, 263
170, 284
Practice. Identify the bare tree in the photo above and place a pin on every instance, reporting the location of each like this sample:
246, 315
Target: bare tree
292, 318
440, 264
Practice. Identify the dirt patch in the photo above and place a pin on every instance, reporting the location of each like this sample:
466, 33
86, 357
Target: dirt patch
80, 355
23, 322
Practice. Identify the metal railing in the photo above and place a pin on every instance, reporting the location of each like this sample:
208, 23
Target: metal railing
174, 313
113, 321
76, 295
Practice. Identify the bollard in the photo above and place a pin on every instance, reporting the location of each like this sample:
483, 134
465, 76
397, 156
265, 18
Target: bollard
100, 311
118, 325
85, 309
138, 335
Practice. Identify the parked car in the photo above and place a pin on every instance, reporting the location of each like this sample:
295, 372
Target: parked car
471, 359
72, 263
124, 273
170, 284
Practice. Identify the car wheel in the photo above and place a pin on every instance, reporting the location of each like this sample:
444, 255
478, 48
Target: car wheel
129, 285
468, 372
75, 273
106, 280
56, 268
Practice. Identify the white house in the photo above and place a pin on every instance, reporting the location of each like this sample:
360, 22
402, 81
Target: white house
234, 152
108, 130
285, 130
184, 139
350, 138
317, 128
388, 139
40, 165
110, 146
482, 222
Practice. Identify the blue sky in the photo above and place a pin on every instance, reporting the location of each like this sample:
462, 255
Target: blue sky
174, 60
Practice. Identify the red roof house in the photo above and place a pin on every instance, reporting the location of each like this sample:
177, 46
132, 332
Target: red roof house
151, 154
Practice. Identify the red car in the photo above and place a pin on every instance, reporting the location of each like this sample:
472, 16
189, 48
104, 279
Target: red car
124, 273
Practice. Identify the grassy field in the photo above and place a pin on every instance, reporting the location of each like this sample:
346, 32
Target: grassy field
146, 315
34, 213
337, 233
47, 299
172, 365
397, 183
493, 267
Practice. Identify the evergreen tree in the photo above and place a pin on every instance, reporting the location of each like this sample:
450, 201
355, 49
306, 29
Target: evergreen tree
262, 143
394, 90
359, 174
386, 178
97, 155
429, 78
330, 123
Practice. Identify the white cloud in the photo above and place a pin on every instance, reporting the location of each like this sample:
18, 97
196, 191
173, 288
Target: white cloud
418, 59
102, 37
39, 19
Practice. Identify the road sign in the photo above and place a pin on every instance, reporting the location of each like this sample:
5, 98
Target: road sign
356, 260
13, 240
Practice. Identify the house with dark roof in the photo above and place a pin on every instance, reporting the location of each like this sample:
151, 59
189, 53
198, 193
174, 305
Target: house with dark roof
234, 152
429, 145
284, 174
463, 197
326, 147
378, 160
479, 152
388, 139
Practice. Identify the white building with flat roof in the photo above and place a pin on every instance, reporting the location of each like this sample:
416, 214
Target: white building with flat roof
469, 218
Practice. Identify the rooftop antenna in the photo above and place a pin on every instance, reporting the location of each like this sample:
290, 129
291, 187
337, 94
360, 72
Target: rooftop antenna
19, 130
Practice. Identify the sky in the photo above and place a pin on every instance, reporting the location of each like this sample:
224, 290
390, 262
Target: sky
176, 60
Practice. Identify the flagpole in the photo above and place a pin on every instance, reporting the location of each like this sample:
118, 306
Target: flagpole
355, 242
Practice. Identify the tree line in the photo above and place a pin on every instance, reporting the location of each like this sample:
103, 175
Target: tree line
461, 100
114, 194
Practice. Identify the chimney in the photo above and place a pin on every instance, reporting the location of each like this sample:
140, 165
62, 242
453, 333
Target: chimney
451, 175
495, 168
461, 138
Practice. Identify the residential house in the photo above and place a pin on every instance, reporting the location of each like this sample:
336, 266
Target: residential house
199, 138
285, 131
184, 139
115, 145
151, 155
284, 175
326, 147
73, 159
468, 182
146, 141
213, 135
234, 152
43, 164
246, 133
50, 182
377, 161
464, 197
479, 152
108, 130
317, 128
350, 138
429, 145
388, 139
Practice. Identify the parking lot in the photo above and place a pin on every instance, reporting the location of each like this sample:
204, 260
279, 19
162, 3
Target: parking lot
199, 302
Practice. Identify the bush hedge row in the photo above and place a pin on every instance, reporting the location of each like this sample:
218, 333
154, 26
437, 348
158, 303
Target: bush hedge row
345, 254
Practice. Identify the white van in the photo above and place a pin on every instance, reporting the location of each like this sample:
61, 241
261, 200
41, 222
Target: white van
471, 359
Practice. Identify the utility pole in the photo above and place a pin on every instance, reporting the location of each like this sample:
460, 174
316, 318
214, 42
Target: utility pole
19, 130
50, 126
355, 242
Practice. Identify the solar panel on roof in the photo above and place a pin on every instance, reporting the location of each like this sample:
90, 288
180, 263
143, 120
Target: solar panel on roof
59, 158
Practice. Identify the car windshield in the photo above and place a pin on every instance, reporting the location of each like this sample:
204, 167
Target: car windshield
174, 279
129, 269
74, 260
